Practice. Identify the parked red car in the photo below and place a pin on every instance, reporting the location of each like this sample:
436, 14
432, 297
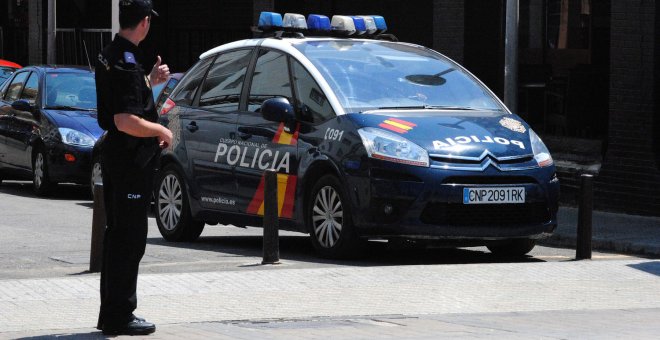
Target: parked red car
7, 68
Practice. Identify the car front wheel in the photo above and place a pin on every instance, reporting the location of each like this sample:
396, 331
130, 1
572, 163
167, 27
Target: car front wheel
97, 174
173, 215
40, 181
329, 220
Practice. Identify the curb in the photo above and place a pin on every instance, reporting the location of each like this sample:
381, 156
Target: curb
618, 246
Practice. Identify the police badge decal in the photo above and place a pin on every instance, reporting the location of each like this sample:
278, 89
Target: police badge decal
512, 125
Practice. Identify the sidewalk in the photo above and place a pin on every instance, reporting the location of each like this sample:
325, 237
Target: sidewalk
621, 233
568, 299
565, 299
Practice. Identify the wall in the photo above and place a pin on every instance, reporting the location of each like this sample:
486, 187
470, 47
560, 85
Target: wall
630, 178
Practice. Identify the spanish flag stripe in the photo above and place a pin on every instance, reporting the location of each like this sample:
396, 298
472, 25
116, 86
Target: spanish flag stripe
287, 208
276, 139
258, 198
401, 126
392, 128
294, 139
282, 180
285, 138
402, 122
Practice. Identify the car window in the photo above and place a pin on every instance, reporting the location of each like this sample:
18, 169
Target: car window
15, 87
31, 87
185, 92
312, 104
5, 73
167, 89
368, 75
222, 87
270, 79
75, 90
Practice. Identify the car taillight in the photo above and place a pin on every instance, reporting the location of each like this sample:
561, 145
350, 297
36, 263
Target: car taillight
167, 106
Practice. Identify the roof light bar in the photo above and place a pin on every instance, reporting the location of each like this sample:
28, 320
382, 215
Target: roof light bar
340, 25
360, 25
269, 20
370, 24
318, 22
343, 24
380, 23
294, 20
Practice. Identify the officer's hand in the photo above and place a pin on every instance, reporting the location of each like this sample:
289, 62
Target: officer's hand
159, 73
165, 138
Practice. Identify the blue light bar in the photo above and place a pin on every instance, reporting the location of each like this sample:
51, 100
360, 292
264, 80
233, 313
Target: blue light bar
269, 20
360, 25
318, 22
380, 23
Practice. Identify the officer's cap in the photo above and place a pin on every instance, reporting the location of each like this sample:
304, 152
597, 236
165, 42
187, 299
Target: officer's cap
135, 10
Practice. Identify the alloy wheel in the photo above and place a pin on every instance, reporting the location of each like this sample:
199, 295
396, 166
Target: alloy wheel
39, 170
327, 216
170, 202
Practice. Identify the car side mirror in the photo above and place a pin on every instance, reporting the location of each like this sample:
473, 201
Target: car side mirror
22, 105
277, 110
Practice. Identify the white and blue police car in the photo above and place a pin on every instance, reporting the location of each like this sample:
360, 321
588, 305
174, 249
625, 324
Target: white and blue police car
371, 139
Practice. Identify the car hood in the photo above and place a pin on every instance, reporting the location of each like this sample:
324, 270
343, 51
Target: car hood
82, 121
461, 133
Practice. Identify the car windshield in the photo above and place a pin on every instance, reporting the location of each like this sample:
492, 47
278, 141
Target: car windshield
70, 91
367, 75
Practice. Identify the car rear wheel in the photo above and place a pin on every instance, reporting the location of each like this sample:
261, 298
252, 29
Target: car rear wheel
173, 215
329, 220
516, 247
97, 174
40, 181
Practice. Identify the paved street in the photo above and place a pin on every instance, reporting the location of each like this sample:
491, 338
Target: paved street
216, 288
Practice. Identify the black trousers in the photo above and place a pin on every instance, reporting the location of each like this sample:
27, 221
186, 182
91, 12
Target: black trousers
127, 195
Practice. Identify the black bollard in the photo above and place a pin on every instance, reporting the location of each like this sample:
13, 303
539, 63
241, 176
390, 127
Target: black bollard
98, 230
271, 220
585, 210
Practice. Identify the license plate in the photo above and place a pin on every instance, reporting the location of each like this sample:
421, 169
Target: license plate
493, 195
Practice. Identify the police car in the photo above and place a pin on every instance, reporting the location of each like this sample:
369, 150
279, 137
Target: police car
371, 139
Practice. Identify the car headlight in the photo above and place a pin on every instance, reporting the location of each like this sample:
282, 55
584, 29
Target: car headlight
387, 146
75, 137
541, 152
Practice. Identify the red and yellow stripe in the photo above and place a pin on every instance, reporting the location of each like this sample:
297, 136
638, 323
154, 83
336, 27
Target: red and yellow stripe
397, 125
286, 184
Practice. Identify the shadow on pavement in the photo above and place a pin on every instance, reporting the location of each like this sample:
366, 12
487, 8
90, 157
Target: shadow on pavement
299, 248
652, 267
78, 336
60, 192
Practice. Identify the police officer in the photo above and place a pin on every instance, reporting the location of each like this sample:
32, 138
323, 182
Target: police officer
126, 110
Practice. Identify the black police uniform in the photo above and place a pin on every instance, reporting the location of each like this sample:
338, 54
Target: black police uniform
128, 168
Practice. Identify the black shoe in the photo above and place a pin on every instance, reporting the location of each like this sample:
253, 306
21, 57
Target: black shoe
136, 326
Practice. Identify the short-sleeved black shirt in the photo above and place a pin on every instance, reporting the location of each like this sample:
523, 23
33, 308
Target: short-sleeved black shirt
122, 86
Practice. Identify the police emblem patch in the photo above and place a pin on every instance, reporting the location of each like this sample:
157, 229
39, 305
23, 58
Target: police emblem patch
512, 125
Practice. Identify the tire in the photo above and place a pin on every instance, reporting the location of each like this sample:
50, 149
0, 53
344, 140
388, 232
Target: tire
96, 175
515, 247
41, 185
329, 221
173, 216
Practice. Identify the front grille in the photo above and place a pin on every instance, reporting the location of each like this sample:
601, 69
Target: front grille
484, 214
489, 180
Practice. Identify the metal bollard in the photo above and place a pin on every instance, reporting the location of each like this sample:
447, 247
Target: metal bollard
585, 211
98, 230
271, 220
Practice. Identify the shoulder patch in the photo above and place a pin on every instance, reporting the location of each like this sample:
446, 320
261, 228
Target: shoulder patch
129, 58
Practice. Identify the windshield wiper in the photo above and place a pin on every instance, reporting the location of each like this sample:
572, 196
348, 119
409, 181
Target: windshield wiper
69, 108
427, 107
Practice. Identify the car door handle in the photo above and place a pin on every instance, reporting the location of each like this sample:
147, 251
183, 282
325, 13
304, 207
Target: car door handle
244, 135
192, 127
